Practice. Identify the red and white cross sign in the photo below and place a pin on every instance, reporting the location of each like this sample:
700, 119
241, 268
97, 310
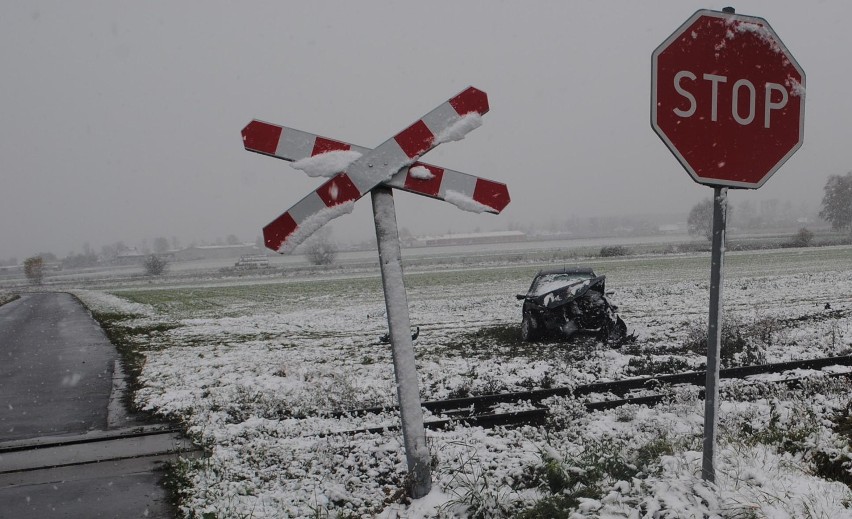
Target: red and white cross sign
359, 170
468, 191
393, 163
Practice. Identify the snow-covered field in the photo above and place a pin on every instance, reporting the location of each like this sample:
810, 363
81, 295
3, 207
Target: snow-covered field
253, 370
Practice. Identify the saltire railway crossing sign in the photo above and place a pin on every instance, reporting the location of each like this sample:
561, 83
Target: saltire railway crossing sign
356, 171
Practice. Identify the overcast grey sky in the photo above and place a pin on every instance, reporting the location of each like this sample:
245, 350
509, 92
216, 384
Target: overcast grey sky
121, 120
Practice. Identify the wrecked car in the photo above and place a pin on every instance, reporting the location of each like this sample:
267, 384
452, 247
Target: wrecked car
569, 301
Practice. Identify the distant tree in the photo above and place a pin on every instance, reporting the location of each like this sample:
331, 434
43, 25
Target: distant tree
155, 265
747, 215
771, 210
700, 220
232, 239
837, 202
161, 244
320, 249
34, 269
803, 238
110, 252
80, 260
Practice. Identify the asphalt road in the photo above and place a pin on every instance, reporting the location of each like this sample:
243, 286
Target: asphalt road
105, 490
56, 368
56, 376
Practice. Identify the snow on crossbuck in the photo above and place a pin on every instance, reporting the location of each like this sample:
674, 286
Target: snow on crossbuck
393, 163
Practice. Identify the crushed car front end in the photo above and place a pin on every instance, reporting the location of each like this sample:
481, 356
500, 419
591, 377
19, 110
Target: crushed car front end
568, 301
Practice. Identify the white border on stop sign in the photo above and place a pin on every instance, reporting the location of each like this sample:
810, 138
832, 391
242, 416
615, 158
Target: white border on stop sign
670, 145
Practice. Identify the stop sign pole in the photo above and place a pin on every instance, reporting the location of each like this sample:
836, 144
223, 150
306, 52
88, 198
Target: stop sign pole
714, 332
727, 99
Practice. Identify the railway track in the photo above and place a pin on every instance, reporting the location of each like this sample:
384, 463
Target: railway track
155, 443
25, 460
479, 410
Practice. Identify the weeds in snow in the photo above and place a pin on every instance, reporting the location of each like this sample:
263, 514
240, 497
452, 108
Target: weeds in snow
743, 343
474, 487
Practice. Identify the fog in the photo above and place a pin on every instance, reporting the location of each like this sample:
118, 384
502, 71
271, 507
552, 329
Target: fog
121, 120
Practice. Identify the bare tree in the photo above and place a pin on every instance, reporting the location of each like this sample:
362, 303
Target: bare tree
320, 249
34, 269
155, 265
700, 220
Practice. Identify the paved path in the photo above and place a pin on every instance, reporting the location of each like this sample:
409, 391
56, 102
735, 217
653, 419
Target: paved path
56, 368
56, 376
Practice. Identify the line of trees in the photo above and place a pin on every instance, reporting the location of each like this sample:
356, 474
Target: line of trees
836, 209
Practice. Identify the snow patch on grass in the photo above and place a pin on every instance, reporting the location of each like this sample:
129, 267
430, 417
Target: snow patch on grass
248, 363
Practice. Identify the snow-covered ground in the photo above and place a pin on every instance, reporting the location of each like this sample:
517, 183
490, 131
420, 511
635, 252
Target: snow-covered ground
254, 369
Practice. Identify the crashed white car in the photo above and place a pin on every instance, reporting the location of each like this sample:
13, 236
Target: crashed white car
569, 301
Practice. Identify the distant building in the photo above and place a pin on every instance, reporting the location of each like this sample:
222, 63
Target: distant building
471, 238
251, 262
217, 251
130, 256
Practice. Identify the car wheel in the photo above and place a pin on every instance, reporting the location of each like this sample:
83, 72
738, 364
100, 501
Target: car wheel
530, 328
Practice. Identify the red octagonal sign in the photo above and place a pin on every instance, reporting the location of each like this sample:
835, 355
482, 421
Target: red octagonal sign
727, 98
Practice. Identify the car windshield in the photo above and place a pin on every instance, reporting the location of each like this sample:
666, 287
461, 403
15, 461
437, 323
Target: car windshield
549, 282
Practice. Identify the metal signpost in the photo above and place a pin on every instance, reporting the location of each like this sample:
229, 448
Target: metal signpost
391, 165
727, 98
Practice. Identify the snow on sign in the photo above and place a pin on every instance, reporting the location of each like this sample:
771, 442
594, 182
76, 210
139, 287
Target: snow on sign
727, 98
321, 156
448, 122
355, 171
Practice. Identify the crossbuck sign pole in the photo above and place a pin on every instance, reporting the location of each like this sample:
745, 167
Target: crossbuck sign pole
399, 326
391, 165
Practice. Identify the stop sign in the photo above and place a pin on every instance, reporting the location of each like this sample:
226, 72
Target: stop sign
727, 98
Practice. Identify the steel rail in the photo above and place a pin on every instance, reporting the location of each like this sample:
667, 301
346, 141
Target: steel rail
617, 387
539, 415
